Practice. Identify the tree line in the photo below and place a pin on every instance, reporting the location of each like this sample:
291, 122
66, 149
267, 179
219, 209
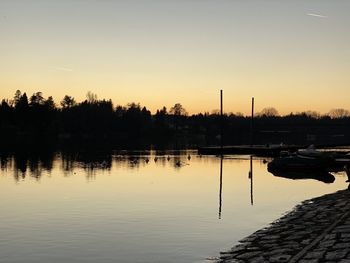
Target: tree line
39, 120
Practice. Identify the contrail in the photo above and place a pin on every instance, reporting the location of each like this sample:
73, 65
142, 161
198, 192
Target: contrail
316, 15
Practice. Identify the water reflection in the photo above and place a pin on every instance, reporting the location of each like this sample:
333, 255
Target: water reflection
27, 164
220, 191
250, 177
322, 176
35, 164
251, 180
133, 199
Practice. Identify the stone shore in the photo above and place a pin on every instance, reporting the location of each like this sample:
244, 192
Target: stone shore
317, 230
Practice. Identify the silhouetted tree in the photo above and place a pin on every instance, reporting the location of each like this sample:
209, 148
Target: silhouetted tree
17, 97
6, 112
67, 102
4, 104
49, 103
161, 123
37, 99
178, 110
22, 103
268, 112
98, 120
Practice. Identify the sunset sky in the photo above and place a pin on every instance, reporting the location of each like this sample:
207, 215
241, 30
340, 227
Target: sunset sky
293, 55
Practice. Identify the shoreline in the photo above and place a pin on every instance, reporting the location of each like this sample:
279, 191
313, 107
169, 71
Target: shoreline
316, 230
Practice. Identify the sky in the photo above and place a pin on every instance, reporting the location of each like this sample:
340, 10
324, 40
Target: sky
293, 55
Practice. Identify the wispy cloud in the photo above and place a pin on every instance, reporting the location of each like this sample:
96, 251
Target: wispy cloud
61, 69
316, 15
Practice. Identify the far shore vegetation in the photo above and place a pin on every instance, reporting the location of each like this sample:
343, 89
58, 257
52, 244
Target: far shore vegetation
37, 120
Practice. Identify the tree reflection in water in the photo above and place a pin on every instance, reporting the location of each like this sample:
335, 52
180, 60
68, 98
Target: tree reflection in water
27, 164
36, 164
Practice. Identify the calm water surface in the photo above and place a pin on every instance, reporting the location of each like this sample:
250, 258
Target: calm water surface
138, 207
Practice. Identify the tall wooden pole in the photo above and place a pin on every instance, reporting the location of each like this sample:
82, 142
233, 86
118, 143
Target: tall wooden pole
252, 125
221, 121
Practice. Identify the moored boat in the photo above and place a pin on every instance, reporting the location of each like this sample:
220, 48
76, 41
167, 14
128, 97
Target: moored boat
294, 162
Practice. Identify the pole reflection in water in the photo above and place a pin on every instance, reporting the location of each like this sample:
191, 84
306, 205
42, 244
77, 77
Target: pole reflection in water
250, 176
251, 180
220, 192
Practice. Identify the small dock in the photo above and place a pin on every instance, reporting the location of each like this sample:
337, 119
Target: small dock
317, 230
258, 150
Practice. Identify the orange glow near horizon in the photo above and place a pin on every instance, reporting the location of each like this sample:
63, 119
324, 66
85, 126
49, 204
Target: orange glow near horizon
159, 53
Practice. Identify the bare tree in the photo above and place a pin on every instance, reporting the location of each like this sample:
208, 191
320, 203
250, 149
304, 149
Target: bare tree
215, 112
238, 114
268, 112
91, 97
312, 114
338, 113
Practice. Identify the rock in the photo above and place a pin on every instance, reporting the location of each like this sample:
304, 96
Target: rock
315, 255
279, 258
249, 255
336, 255
289, 235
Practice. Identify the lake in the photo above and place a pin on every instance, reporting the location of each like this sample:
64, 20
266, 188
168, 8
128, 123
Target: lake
138, 206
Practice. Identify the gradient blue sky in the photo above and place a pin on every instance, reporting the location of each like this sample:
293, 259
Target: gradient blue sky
293, 55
